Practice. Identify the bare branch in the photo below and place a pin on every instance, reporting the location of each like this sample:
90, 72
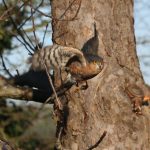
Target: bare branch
10, 10
4, 66
44, 35
51, 83
143, 41
28, 37
98, 142
5, 144
4, 15
9, 91
36, 10
19, 31
33, 24
30, 16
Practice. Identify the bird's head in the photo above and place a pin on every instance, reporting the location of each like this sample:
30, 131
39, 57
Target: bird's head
95, 61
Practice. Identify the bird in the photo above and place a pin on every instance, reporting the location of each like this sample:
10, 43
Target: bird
80, 64
64, 64
95, 63
94, 66
55, 57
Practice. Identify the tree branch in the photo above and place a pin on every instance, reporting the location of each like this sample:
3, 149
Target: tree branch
4, 66
9, 90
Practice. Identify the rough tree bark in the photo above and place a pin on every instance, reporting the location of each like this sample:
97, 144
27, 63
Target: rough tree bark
104, 106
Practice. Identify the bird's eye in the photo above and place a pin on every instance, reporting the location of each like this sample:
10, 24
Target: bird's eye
94, 62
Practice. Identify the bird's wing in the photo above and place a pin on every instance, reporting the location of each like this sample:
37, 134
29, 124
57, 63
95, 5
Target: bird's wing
55, 56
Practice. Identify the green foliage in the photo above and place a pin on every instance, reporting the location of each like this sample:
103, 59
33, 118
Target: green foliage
36, 144
30, 145
5, 38
25, 129
16, 127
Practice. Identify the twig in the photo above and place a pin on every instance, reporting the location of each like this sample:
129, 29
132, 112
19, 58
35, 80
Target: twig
30, 53
40, 12
4, 66
44, 35
19, 31
28, 37
33, 24
17, 71
51, 83
98, 142
31, 15
5, 144
3, 16
10, 10
60, 92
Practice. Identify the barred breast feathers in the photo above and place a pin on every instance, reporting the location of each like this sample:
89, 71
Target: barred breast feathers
55, 56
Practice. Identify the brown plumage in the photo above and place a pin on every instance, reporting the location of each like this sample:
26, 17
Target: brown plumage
70, 65
80, 65
94, 66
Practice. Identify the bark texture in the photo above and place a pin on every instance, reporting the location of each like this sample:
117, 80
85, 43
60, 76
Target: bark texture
104, 106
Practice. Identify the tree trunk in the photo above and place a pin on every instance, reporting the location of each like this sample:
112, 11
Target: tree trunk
104, 106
